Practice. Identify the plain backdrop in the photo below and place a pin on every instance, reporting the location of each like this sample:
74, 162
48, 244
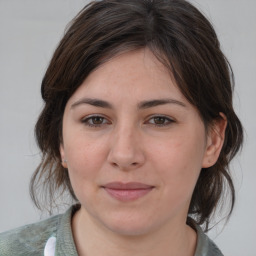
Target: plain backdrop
29, 33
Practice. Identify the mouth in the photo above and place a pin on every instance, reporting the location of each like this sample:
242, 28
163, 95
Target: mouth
127, 191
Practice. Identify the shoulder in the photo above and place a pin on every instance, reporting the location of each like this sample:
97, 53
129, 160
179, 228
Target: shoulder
30, 239
205, 246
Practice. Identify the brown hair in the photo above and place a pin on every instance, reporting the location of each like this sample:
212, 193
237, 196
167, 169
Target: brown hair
183, 40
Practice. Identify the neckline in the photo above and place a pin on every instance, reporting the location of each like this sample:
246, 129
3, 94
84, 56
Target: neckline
65, 242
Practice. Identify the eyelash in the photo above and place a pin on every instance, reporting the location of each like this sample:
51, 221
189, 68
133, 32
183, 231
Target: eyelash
167, 120
88, 121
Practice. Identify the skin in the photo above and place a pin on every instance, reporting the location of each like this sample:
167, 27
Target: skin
128, 142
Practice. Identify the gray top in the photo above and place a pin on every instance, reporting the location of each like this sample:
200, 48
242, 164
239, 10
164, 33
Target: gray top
31, 239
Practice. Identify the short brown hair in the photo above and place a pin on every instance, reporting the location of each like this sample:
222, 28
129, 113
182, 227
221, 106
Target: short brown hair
183, 40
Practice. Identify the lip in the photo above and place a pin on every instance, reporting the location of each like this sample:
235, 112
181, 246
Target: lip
127, 191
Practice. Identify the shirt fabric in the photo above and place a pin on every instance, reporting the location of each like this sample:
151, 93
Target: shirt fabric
53, 237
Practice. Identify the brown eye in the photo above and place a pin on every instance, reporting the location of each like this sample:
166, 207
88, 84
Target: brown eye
159, 120
95, 121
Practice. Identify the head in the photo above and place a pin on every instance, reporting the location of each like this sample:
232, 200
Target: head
180, 38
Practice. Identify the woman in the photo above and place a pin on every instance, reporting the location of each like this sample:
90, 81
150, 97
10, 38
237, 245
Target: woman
138, 126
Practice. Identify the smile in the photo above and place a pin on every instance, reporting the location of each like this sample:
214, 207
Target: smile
127, 191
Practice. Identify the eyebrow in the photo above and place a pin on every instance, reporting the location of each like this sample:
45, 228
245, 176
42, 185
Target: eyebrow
93, 102
153, 103
142, 105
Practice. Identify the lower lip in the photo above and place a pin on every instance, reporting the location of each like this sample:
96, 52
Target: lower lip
127, 194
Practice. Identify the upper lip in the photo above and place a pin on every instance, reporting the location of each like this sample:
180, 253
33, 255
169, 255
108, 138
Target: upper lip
127, 186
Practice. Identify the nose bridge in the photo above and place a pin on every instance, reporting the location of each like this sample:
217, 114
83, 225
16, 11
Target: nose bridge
126, 150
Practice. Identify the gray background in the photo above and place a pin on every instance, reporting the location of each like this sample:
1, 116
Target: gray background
30, 31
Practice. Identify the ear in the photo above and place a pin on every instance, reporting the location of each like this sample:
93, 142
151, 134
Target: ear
63, 157
215, 140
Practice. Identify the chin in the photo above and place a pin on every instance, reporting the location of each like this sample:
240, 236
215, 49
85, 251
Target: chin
130, 230
129, 226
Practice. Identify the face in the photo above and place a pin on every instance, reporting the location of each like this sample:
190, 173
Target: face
134, 145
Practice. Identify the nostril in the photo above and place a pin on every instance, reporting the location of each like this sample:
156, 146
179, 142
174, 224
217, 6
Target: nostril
134, 164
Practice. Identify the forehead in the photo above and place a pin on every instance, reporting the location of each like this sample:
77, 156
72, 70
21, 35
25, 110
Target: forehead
135, 74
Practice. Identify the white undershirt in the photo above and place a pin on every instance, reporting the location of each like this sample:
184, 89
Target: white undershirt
49, 249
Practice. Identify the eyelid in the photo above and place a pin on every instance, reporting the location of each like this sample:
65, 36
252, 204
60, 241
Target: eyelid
86, 119
167, 118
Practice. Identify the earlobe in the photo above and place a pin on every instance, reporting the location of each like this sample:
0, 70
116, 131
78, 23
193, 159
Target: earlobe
215, 140
62, 154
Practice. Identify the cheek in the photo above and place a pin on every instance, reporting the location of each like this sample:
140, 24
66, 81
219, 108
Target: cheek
84, 166
179, 152
85, 159
179, 162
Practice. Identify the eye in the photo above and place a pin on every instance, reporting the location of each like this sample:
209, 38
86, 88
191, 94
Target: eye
95, 121
160, 121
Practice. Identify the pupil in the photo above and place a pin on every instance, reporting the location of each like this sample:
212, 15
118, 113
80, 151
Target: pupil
159, 120
97, 120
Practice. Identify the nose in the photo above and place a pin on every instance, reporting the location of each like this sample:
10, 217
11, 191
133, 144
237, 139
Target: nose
126, 149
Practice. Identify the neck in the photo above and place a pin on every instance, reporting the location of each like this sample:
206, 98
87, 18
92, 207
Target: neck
91, 238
